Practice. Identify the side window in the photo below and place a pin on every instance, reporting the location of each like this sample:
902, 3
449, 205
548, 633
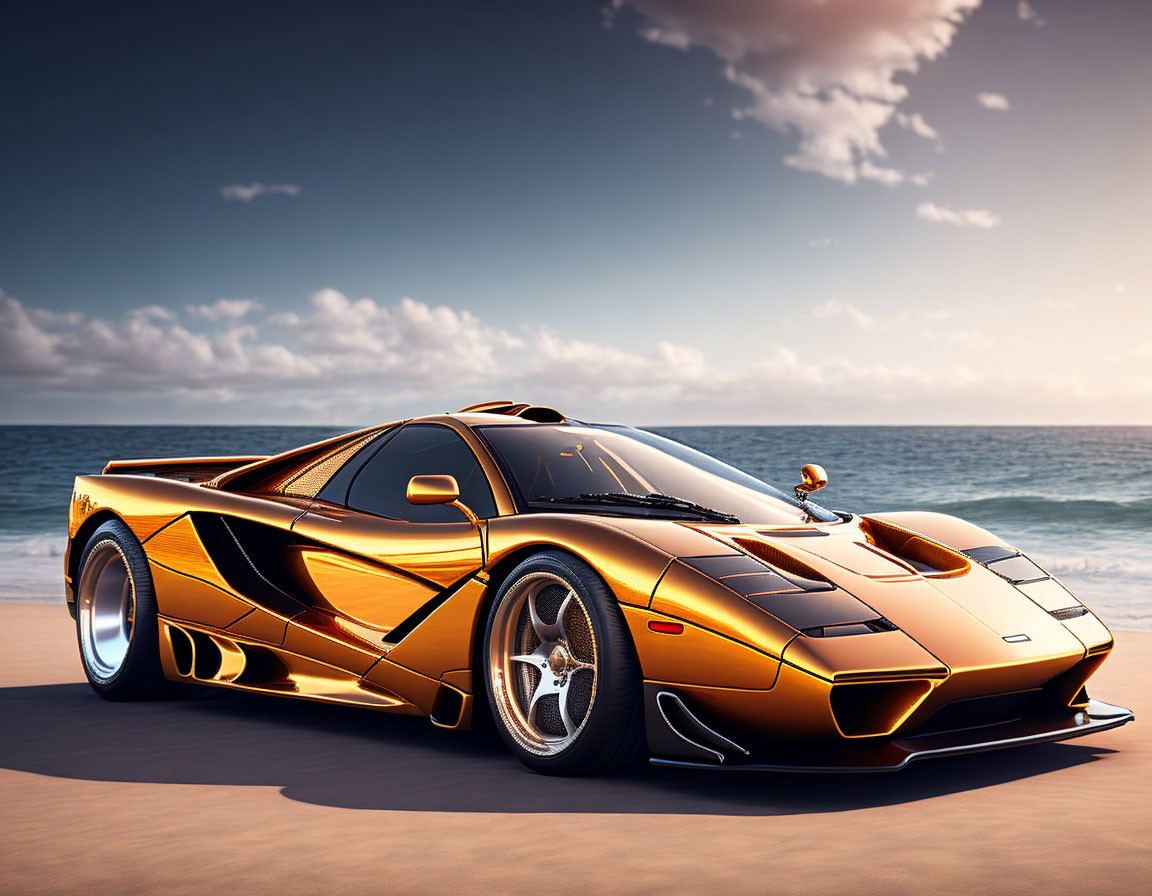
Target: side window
336, 488
381, 486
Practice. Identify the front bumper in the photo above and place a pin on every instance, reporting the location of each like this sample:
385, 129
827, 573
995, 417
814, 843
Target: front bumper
895, 754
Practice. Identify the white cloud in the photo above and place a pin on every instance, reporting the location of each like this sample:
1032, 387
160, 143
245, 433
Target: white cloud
834, 308
225, 309
357, 360
890, 177
915, 123
995, 101
970, 217
246, 193
922, 178
1026, 12
820, 242
832, 73
338, 344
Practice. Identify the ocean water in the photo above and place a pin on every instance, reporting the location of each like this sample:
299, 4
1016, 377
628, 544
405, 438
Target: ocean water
1077, 499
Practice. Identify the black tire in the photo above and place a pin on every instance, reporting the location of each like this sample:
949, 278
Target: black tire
612, 733
139, 675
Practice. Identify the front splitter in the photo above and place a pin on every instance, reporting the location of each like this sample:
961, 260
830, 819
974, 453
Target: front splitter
893, 755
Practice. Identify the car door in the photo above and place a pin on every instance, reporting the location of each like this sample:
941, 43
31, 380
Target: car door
376, 561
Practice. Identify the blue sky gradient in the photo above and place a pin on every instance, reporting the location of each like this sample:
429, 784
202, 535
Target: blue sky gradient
580, 201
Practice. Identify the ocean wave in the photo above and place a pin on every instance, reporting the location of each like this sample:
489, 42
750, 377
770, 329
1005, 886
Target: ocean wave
1038, 509
1098, 565
43, 545
31, 567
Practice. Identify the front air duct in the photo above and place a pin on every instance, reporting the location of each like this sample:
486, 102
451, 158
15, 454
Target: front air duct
870, 709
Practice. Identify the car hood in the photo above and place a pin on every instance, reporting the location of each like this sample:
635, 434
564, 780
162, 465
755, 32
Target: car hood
963, 613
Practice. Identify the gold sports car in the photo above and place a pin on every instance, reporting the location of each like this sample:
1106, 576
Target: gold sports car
602, 593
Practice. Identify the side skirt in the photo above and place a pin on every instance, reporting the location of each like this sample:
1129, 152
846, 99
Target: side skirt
205, 656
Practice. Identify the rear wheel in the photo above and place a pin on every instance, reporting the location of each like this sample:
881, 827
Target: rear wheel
560, 670
116, 624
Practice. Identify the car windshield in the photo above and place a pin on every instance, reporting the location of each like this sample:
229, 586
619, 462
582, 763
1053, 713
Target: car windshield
552, 463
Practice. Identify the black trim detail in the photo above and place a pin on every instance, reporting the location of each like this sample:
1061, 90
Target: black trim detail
978, 712
871, 627
247, 555
1018, 570
749, 584
989, 554
447, 707
1008, 564
672, 729
806, 610
799, 602
717, 566
409, 625
1069, 612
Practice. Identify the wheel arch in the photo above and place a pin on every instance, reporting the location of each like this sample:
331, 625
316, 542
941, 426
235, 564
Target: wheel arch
75, 550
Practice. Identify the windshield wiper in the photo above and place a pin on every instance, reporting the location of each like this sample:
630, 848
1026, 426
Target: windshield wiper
626, 499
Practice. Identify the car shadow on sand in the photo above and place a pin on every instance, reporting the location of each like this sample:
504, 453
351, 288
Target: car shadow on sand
344, 757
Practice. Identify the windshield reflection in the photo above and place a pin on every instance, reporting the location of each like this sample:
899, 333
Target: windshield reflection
549, 462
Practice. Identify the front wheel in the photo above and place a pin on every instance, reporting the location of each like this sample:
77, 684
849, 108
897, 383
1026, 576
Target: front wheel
560, 670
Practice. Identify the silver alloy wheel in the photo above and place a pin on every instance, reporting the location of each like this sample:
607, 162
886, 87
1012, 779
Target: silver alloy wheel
543, 673
107, 610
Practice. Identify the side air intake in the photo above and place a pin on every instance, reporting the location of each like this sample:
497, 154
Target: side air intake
692, 731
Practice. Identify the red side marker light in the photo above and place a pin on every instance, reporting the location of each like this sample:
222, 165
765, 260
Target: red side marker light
666, 628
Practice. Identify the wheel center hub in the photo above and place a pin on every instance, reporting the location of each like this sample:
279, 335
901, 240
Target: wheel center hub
558, 660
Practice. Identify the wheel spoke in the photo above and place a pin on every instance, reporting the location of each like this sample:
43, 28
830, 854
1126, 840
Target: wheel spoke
544, 631
563, 632
543, 689
537, 658
569, 726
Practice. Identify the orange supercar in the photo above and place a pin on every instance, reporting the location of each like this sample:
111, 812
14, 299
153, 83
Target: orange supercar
604, 594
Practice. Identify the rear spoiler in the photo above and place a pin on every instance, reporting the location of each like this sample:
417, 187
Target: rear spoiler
188, 469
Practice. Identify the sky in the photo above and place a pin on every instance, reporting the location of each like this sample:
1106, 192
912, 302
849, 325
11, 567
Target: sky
652, 211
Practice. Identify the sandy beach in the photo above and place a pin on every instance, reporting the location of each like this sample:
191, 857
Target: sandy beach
275, 796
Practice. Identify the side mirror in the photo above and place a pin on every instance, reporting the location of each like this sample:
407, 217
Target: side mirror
814, 479
439, 490
433, 490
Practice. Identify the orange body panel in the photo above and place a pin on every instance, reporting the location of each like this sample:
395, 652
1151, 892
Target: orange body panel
439, 553
179, 548
363, 592
698, 656
443, 643
185, 597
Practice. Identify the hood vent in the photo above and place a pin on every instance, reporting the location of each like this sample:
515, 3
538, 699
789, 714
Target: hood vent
780, 559
928, 558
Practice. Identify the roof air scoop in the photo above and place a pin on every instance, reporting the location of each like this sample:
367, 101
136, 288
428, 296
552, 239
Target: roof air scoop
535, 412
